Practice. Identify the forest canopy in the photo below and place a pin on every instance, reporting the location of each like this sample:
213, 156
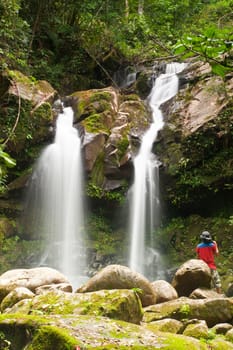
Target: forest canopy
68, 42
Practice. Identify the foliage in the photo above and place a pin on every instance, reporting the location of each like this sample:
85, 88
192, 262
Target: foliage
6, 161
95, 191
4, 343
100, 232
16, 252
56, 41
14, 35
213, 44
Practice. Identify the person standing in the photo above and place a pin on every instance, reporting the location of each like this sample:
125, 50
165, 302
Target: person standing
206, 251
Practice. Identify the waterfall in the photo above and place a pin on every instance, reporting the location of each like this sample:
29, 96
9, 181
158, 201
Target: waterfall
56, 201
144, 193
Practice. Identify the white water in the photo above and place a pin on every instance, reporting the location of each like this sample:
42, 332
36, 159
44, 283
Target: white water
57, 202
144, 203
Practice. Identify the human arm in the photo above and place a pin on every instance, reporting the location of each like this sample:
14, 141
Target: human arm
216, 248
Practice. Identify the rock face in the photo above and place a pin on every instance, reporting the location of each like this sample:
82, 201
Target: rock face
196, 139
110, 123
192, 274
121, 277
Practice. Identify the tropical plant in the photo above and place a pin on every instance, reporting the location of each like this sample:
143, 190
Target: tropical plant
5, 162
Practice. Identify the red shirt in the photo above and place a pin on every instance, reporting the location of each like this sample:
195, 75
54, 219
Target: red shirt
206, 252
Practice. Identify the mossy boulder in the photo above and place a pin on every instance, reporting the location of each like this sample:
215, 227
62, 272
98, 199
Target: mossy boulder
213, 311
14, 296
89, 332
116, 304
197, 329
166, 325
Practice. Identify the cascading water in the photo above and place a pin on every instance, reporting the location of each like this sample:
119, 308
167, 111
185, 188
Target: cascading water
56, 200
144, 193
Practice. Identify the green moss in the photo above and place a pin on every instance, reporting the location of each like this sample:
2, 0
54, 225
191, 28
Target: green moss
122, 145
97, 174
19, 77
50, 337
101, 95
180, 343
95, 124
219, 343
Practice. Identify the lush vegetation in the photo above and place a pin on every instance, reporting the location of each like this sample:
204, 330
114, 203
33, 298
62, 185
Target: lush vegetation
81, 46
65, 43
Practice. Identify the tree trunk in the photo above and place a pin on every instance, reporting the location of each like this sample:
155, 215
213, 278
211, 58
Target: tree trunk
126, 8
140, 7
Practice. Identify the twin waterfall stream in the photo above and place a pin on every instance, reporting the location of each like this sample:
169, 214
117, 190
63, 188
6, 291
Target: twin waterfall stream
144, 194
56, 192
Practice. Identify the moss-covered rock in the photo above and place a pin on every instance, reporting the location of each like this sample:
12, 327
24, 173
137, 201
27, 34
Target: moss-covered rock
169, 325
213, 311
14, 296
46, 333
116, 304
197, 330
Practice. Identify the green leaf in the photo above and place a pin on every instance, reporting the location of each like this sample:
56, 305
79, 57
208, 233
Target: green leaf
10, 162
219, 69
180, 48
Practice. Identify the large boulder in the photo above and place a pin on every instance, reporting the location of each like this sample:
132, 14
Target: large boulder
29, 278
164, 291
122, 304
121, 277
193, 274
213, 311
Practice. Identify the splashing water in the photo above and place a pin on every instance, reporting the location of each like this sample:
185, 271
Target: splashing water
56, 200
144, 193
